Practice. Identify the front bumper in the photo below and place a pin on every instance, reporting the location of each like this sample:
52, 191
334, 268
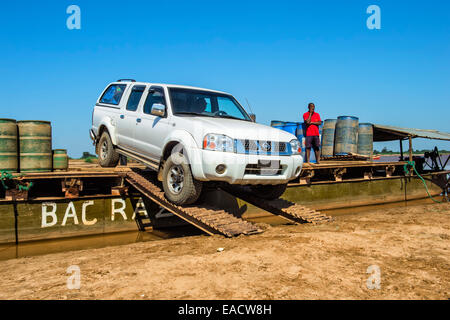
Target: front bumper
204, 164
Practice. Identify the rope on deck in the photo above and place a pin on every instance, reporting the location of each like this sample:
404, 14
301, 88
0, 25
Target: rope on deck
6, 176
412, 164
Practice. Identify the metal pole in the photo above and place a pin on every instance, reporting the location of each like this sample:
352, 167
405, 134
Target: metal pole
410, 155
401, 150
410, 149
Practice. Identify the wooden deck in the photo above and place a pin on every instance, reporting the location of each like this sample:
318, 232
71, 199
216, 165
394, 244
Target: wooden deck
311, 172
350, 164
89, 179
79, 168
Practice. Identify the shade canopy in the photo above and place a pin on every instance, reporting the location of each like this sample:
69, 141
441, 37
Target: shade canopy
390, 133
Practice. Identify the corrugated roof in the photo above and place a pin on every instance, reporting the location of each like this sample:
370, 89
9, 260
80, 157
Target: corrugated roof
389, 133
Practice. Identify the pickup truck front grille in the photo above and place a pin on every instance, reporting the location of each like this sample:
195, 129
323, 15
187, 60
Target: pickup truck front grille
262, 147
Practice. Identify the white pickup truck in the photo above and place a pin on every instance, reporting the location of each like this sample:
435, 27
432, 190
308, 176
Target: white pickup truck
192, 136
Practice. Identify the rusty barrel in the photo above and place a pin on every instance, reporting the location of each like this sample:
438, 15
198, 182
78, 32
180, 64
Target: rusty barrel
60, 160
365, 139
345, 141
8, 145
328, 131
35, 146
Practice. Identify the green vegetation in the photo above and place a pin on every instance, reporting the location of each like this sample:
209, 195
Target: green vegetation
87, 157
386, 151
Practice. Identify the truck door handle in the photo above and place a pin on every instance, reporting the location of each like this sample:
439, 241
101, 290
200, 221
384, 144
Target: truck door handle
138, 120
122, 116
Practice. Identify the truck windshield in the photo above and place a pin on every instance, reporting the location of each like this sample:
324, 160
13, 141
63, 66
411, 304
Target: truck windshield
205, 103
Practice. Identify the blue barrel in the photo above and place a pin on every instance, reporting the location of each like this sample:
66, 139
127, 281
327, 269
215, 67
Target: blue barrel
329, 128
365, 139
290, 127
277, 123
301, 135
300, 129
346, 135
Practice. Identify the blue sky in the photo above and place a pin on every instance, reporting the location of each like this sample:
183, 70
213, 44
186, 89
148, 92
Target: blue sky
279, 55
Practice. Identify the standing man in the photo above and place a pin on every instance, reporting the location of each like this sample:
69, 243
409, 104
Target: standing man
312, 123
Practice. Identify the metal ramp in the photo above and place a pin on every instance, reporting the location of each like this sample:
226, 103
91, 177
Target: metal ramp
291, 211
209, 219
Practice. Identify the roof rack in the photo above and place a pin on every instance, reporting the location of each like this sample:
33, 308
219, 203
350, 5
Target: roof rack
126, 80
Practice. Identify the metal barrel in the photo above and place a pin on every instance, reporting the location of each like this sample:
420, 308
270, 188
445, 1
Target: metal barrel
365, 139
35, 141
290, 127
328, 132
277, 123
301, 135
300, 129
60, 160
346, 135
8, 145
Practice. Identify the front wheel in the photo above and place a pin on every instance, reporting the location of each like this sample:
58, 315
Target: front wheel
269, 192
179, 185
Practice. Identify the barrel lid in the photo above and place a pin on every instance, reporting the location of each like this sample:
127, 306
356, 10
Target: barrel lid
31, 121
291, 123
365, 124
7, 120
63, 150
277, 123
348, 117
330, 120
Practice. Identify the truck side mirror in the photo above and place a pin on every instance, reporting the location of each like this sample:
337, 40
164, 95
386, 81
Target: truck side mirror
252, 117
158, 110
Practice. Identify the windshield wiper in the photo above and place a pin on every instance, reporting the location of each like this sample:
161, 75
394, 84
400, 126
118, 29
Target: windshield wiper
229, 117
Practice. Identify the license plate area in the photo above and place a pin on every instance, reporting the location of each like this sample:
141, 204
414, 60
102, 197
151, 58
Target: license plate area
269, 164
264, 168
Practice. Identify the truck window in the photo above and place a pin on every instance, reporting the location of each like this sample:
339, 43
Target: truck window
228, 106
135, 97
113, 94
156, 97
206, 104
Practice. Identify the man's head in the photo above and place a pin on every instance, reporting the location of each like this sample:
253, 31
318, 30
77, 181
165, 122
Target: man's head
311, 107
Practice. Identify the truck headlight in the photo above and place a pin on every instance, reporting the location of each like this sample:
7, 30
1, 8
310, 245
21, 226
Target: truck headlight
296, 146
218, 142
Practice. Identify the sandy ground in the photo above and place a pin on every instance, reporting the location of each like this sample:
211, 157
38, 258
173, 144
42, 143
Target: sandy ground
410, 246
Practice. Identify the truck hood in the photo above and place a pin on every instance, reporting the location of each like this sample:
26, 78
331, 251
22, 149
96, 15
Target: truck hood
236, 129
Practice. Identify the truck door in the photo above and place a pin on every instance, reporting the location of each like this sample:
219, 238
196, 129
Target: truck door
152, 130
128, 118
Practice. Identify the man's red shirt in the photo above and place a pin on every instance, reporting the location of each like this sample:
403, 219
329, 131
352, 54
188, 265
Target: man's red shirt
312, 130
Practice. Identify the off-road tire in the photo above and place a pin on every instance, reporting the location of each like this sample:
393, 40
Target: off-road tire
269, 192
191, 189
107, 156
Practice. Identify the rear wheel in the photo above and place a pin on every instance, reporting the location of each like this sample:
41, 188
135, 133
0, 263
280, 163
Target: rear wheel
269, 192
107, 156
179, 185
